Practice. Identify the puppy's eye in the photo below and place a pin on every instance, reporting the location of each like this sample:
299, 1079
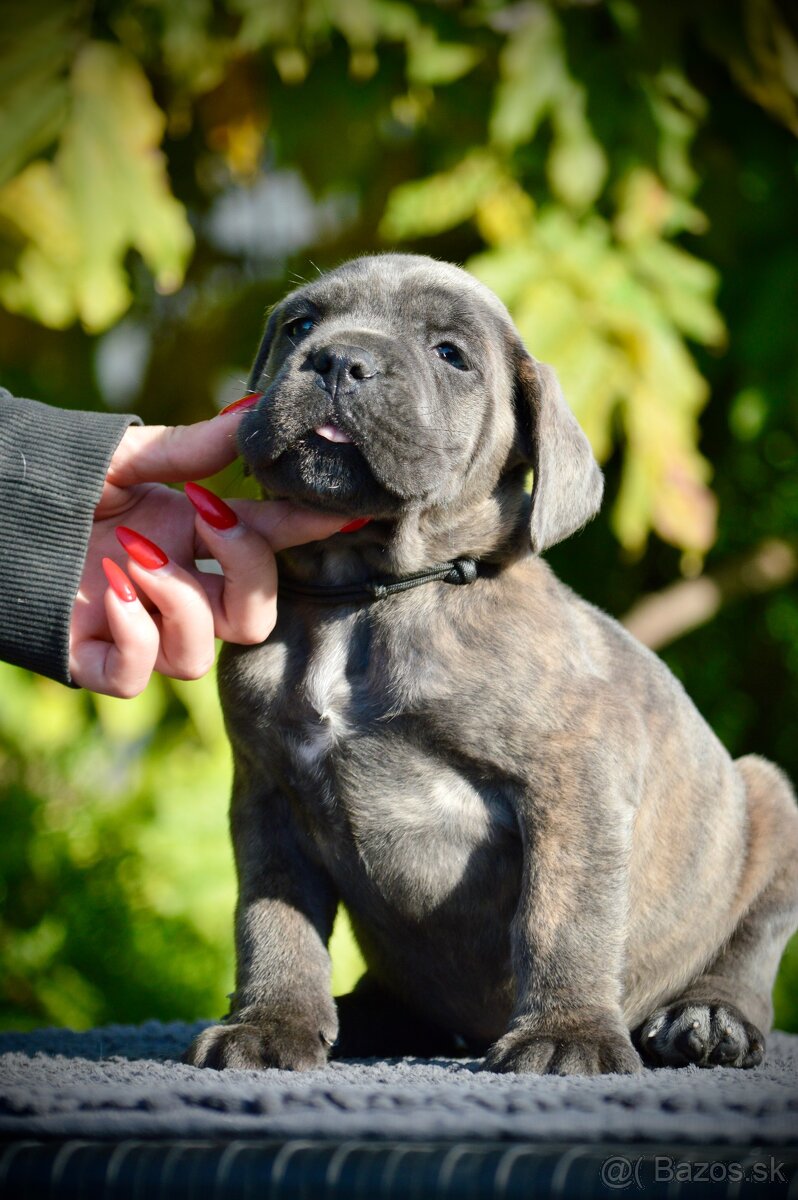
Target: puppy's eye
299, 327
451, 355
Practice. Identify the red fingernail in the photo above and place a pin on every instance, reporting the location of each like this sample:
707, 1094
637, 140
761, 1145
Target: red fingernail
213, 510
118, 580
248, 401
358, 523
141, 549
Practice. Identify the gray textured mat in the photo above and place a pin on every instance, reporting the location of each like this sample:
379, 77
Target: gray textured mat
123, 1082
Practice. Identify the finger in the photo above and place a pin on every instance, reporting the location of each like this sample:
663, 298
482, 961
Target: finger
185, 620
173, 453
122, 666
244, 597
284, 524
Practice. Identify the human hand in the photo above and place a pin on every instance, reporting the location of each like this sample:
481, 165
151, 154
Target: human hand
116, 639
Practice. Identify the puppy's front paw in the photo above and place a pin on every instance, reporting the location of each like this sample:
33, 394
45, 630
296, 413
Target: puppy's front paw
710, 1035
288, 1044
571, 1052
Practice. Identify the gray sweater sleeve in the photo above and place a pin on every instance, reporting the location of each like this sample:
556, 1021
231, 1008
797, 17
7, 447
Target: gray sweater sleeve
53, 463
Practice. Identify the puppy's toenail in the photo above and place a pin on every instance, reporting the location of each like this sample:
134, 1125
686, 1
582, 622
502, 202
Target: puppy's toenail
696, 1024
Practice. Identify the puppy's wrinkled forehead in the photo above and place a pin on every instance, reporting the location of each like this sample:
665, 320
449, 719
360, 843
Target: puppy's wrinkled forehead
395, 291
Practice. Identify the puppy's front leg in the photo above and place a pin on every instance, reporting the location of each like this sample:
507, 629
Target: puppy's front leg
282, 1013
568, 934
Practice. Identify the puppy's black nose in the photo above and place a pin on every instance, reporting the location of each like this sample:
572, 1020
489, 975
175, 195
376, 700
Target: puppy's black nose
341, 367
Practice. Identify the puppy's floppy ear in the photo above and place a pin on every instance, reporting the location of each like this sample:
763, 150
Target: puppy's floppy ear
568, 483
263, 351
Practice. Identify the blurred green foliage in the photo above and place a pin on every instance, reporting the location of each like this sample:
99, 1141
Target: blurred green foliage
116, 871
623, 173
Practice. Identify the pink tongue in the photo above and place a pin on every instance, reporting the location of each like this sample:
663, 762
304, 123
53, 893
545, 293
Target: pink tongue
332, 433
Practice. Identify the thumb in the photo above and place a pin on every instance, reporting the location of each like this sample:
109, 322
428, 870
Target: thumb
175, 453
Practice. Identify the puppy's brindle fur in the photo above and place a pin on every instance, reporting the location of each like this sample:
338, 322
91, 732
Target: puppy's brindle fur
543, 847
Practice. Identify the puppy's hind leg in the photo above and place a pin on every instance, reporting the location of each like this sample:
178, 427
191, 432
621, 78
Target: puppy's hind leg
722, 1017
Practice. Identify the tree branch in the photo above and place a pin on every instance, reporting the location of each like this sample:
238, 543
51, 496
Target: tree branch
664, 616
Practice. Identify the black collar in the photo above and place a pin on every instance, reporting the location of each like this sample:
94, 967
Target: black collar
459, 571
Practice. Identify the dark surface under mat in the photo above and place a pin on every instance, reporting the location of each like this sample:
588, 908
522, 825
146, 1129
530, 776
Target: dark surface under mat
357, 1170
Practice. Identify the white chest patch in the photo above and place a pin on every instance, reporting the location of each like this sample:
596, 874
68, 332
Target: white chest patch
327, 693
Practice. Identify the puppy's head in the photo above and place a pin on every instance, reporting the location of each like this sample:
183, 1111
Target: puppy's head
398, 384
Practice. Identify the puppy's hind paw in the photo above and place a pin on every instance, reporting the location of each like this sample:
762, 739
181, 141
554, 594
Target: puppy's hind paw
709, 1035
258, 1045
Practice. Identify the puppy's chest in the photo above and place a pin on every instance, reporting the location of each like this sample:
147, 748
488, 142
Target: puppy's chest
333, 695
371, 777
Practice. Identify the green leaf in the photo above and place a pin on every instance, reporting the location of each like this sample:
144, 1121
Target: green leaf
442, 201
532, 73
115, 175
505, 214
194, 57
507, 269
685, 286
585, 305
678, 109
430, 62
665, 477
105, 193
577, 165
266, 24
41, 285
535, 82
646, 208
35, 53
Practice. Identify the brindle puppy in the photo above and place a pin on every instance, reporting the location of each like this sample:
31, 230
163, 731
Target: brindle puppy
541, 844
